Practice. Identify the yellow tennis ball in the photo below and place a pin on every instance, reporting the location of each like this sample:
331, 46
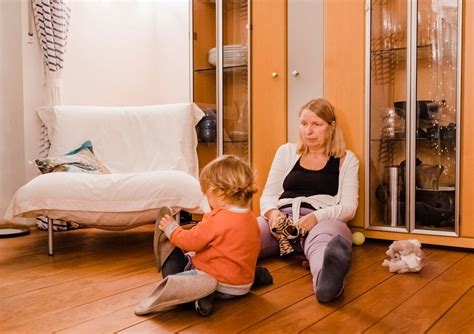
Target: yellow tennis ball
358, 238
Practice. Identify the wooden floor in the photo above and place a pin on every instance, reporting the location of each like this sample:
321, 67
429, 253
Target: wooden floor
95, 279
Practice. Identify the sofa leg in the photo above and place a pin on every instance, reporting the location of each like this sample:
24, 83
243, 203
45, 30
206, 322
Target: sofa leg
50, 237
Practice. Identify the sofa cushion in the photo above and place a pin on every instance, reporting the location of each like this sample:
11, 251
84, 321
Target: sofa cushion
128, 139
107, 201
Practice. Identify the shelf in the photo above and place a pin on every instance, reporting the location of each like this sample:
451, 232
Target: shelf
225, 141
375, 52
226, 69
396, 139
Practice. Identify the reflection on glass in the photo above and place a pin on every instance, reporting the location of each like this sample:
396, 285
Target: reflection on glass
436, 93
235, 77
388, 77
204, 79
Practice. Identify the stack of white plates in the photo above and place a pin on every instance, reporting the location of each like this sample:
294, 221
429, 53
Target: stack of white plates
234, 55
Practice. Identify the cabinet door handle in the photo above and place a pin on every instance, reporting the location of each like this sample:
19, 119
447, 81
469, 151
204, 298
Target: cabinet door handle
295, 73
274, 74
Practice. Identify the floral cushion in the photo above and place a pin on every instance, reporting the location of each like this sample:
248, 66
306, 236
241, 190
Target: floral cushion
80, 160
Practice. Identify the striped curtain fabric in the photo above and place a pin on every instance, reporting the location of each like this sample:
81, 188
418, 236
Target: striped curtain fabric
52, 24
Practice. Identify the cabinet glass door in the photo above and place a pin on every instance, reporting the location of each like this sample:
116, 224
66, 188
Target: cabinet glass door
388, 93
436, 116
235, 46
221, 77
205, 77
413, 115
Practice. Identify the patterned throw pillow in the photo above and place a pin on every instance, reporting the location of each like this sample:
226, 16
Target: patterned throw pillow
80, 160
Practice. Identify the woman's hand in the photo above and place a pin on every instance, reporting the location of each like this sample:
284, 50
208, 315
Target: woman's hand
306, 223
272, 217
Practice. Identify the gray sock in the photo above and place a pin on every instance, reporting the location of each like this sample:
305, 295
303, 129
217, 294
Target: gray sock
336, 263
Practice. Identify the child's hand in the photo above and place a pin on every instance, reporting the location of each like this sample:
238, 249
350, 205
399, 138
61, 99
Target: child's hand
165, 222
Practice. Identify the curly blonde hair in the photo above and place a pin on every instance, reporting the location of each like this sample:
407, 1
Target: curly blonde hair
335, 145
230, 178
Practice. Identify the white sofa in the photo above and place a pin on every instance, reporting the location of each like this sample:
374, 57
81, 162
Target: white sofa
150, 152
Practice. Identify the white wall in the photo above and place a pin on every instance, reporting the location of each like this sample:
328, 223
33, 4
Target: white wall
120, 52
127, 52
12, 170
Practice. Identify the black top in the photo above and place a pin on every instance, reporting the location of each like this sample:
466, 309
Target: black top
305, 182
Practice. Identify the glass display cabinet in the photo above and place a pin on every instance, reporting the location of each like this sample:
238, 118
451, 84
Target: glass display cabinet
221, 77
413, 115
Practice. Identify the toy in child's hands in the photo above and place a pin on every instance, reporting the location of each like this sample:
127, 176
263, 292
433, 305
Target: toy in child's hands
287, 230
405, 256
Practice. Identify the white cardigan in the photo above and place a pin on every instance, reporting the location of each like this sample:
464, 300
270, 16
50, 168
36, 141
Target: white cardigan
342, 206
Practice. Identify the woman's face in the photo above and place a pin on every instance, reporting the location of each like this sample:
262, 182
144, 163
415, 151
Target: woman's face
313, 130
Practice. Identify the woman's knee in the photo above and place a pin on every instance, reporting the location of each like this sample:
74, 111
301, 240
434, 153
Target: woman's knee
332, 227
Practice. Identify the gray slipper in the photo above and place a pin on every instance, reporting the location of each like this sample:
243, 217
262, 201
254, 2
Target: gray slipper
162, 247
175, 290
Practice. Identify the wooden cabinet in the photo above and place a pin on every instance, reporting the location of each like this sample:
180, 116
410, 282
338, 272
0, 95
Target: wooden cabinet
269, 86
344, 85
305, 58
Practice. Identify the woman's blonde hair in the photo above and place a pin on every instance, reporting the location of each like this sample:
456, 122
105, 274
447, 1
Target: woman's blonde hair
335, 145
230, 178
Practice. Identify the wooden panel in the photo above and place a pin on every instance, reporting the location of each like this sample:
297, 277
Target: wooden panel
269, 96
423, 238
365, 273
364, 311
459, 319
344, 50
467, 116
98, 277
418, 313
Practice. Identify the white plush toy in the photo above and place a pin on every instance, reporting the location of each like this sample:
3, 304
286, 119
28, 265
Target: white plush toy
405, 256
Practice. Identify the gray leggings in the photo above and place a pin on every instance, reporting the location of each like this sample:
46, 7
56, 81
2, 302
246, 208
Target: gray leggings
314, 244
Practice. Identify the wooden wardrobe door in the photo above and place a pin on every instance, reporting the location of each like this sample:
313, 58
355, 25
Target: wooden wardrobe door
269, 86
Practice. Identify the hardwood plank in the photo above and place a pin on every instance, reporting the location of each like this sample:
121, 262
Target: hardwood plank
366, 272
365, 310
430, 302
74, 244
99, 294
79, 306
460, 317
258, 309
17, 282
64, 284
65, 241
175, 320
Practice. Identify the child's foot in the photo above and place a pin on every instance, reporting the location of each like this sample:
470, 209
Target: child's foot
336, 262
204, 305
262, 277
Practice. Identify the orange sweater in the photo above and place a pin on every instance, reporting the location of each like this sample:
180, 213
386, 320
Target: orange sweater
226, 243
